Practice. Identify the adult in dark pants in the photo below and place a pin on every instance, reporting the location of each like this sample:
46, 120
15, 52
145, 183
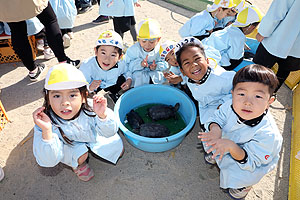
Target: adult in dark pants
16, 21
279, 34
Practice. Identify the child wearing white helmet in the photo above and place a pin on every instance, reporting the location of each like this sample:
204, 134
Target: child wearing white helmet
230, 41
107, 70
66, 127
143, 58
202, 24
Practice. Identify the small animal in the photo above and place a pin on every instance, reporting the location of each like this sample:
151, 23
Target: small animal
134, 120
154, 130
158, 112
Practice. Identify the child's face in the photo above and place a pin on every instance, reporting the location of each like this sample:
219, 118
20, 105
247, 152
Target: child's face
65, 103
148, 45
251, 99
171, 58
221, 13
231, 12
194, 64
107, 56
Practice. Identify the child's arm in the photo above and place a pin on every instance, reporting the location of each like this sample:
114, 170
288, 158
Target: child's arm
100, 105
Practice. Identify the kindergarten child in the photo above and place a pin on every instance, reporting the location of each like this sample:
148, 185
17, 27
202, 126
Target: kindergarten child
210, 86
202, 24
242, 135
106, 70
67, 127
230, 41
143, 58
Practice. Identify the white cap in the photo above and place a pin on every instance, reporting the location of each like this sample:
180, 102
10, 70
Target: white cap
187, 40
220, 3
111, 38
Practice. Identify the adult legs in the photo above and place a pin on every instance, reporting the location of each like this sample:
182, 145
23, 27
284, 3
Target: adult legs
133, 32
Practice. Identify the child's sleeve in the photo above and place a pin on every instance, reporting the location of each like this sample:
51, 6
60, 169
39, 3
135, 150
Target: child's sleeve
132, 59
124, 69
107, 127
47, 153
86, 70
236, 50
196, 26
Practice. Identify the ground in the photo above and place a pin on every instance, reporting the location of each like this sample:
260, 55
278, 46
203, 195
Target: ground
180, 173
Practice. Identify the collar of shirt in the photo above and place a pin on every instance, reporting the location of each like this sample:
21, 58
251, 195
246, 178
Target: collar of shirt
251, 122
203, 79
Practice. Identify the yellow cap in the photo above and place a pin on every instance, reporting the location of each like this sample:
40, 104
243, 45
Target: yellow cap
220, 3
239, 5
111, 38
148, 29
64, 76
165, 48
247, 16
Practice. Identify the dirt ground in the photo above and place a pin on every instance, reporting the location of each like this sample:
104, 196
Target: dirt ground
180, 173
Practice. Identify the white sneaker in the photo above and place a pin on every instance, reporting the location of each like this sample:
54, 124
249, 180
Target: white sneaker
71, 35
240, 192
67, 40
40, 44
48, 53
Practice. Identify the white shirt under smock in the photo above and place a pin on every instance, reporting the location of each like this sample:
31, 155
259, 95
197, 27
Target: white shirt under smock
262, 143
100, 135
141, 75
198, 25
92, 71
213, 92
230, 43
117, 8
281, 29
65, 11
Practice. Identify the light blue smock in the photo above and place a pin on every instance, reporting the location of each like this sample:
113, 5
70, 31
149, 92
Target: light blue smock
281, 28
34, 26
262, 143
100, 135
230, 43
198, 25
213, 92
224, 21
65, 11
141, 75
92, 71
117, 8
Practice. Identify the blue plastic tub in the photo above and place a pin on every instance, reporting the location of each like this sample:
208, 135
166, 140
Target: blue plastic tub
149, 94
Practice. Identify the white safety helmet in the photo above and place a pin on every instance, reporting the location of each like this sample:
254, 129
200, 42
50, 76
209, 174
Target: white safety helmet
64, 76
165, 48
187, 40
148, 29
111, 38
247, 16
220, 3
239, 5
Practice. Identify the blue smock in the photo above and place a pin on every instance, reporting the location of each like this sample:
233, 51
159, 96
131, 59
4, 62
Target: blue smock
65, 11
117, 8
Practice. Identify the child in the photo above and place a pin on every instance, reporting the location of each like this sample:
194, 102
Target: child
202, 24
210, 86
66, 127
106, 70
242, 135
230, 41
143, 59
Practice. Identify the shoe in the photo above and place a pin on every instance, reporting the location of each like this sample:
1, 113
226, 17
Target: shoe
101, 20
114, 97
1, 174
94, 2
208, 158
48, 53
67, 40
35, 76
40, 44
84, 10
84, 172
240, 192
73, 62
71, 35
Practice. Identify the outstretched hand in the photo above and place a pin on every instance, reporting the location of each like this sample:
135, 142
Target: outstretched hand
126, 85
100, 105
41, 119
94, 85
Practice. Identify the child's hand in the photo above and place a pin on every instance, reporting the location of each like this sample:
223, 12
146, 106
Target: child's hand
94, 85
153, 65
214, 133
172, 78
137, 4
221, 146
41, 119
126, 85
144, 62
100, 105
259, 37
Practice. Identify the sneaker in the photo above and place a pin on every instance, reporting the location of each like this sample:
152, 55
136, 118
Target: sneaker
48, 53
94, 2
208, 158
84, 172
71, 35
84, 10
67, 40
240, 192
40, 44
101, 20
35, 76
73, 62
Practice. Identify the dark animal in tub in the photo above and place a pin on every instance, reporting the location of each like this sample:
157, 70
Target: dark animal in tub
158, 112
134, 120
154, 130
